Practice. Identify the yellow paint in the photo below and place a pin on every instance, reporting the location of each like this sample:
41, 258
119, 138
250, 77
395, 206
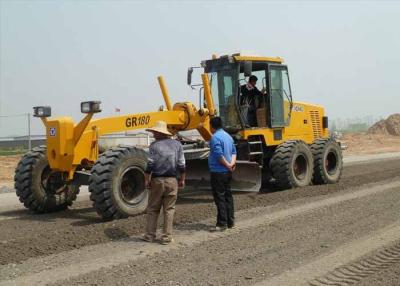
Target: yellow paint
60, 142
164, 92
300, 126
80, 127
72, 143
85, 148
69, 145
199, 120
207, 94
258, 59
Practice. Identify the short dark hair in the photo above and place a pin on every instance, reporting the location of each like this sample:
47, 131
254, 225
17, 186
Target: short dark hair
216, 122
253, 78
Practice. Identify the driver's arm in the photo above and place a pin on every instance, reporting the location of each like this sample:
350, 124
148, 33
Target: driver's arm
264, 91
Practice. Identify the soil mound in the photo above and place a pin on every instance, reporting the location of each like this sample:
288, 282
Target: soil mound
388, 126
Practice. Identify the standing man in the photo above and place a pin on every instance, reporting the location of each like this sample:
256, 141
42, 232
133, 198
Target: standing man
165, 162
251, 98
221, 163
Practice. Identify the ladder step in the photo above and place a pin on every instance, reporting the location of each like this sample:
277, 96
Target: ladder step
255, 142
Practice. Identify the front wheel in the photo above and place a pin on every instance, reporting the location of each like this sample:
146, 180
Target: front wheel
116, 184
40, 188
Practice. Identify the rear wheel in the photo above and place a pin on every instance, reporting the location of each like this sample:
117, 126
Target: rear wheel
328, 161
292, 164
38, 187
116, 183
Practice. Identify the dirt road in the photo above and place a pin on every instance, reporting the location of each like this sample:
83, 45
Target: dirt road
294, 237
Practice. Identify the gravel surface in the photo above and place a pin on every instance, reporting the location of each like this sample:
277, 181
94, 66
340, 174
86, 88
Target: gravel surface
259, 253
38, 235
241, 258
6, 189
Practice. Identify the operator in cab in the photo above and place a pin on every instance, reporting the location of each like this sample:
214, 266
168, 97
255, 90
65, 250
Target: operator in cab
250, 100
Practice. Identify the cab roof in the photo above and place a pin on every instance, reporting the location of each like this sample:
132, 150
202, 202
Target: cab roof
254, 58
240, 57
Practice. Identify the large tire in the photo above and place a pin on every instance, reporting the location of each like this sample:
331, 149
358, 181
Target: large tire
116, 183
328, 161
38, 187
292, 164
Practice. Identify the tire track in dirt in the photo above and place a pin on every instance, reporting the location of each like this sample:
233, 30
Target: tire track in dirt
357, 271
348, 264
41, 235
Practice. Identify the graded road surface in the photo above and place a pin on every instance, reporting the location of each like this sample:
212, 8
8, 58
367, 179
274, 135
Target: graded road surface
342, 234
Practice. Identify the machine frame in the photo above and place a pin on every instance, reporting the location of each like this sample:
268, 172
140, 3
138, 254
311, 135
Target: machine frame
292, 151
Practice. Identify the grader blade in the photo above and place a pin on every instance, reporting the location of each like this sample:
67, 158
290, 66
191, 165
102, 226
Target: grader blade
245, 178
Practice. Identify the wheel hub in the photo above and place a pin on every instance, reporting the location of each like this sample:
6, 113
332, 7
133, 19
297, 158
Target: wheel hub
132, 184
52, 181
331, 162
300, 167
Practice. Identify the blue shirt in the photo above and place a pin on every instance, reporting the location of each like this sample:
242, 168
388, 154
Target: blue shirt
221, 144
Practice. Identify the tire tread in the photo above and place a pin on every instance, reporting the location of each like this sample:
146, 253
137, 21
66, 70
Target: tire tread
100, 181
23, 185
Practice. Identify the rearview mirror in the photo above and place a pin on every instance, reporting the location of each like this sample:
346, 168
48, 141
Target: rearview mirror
189, 76
247, 68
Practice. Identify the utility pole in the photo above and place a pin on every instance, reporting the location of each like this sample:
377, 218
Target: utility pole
29, 132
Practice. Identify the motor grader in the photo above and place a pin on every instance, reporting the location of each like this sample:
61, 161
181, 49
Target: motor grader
289, 146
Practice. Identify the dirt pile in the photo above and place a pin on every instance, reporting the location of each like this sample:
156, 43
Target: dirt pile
361, 143
7, 169
388, 126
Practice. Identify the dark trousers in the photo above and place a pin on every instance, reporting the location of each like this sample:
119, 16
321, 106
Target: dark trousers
221, 189
252, 117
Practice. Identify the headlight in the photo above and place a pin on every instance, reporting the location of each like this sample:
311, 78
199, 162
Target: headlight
90, 107
42, 111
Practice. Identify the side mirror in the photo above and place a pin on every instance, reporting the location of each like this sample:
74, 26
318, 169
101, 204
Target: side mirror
189, 76
247, 68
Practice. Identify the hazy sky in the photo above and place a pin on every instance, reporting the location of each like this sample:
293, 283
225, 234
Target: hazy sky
343, 55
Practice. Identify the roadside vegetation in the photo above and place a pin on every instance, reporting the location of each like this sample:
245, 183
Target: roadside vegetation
7, 151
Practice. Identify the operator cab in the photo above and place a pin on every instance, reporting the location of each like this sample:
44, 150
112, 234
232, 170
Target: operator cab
228, 73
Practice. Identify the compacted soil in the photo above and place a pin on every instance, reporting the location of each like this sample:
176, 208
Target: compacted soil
278, 233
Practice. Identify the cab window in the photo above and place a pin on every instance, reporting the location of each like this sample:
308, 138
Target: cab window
280, 96
223, 88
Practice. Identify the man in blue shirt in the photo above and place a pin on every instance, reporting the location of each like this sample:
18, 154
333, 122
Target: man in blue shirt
221, 162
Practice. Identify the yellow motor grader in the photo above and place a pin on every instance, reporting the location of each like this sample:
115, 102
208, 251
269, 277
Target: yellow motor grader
289, 145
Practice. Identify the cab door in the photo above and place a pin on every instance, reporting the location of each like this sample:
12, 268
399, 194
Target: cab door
280, 97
